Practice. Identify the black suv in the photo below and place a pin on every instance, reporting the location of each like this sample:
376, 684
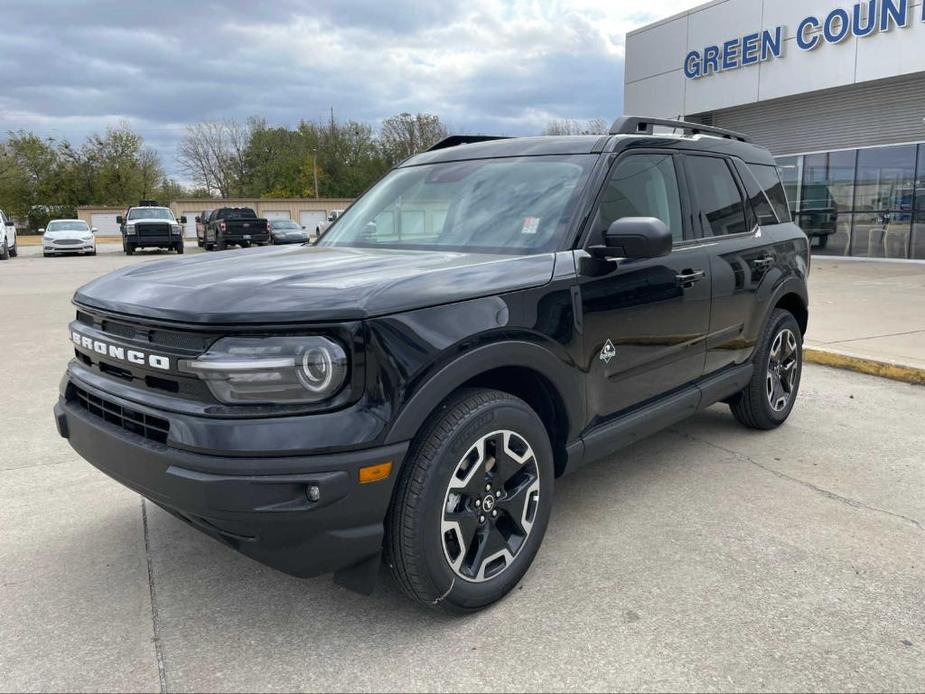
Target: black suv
491, 315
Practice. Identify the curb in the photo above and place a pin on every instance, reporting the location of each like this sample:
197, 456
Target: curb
871, 367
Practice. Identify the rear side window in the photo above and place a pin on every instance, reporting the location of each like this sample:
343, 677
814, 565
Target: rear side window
643, 185
769, 178
759, 210
718, 196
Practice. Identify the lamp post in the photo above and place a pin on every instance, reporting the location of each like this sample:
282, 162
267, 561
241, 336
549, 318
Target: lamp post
315, 169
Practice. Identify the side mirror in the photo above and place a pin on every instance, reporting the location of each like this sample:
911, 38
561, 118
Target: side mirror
198, 220
304, 227
635, 237
42, 230
10, 223
93, 230
183, 219
119, 220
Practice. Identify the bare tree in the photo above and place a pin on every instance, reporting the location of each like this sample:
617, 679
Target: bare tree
403, 135
212, 154
570, 126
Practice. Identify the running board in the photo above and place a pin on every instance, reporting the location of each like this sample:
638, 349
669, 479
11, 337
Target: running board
627, 429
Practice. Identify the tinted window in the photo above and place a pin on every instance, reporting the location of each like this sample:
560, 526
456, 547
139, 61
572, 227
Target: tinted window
718, 196
643, 185
773, 187
759, 209
236, 213
67, 225
150, 213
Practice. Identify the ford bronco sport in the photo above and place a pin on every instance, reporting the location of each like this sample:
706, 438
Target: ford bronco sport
493, 314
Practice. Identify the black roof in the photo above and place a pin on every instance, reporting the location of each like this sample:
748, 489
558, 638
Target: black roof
588, 144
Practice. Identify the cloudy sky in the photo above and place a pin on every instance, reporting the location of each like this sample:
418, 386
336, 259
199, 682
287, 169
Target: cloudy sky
71, 67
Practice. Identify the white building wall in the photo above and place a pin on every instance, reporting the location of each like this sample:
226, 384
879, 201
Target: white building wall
655, 84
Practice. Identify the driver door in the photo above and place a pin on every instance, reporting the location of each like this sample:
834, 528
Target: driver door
645, 320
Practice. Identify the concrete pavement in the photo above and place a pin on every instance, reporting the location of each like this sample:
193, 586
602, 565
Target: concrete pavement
868, 310
705, 558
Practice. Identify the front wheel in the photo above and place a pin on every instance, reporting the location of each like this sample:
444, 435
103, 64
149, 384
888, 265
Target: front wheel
4, 252
180, 248
769, 397
472, 503
14, 251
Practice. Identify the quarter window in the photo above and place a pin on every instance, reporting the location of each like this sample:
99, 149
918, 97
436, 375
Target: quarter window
643, 185
759, 209
718, 196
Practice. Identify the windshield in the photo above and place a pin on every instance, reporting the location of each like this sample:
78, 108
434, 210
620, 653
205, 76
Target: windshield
150, 213
284, 224
513, 205
67, 225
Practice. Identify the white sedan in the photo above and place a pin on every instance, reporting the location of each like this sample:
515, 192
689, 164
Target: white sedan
68, 236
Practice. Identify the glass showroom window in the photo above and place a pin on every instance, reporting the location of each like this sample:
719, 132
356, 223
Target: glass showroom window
884, 196
826, 200
918, 215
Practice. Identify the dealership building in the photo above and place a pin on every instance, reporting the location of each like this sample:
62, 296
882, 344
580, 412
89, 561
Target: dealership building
836, 91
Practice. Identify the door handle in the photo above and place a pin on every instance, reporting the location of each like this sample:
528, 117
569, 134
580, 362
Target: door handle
688, 278
763, 263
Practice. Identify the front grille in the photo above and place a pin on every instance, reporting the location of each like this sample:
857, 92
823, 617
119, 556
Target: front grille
67, 242
155, 229
182, 340
148, 426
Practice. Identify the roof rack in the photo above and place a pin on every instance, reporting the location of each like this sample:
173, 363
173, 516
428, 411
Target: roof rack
634, 125
454, 140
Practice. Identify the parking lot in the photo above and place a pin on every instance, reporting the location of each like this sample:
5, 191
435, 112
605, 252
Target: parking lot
707, 557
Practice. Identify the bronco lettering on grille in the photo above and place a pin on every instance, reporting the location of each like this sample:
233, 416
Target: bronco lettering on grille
133, 356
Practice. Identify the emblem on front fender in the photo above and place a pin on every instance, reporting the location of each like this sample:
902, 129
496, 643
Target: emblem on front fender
608, 353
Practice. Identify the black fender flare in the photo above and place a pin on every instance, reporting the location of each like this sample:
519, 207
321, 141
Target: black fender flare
564, 376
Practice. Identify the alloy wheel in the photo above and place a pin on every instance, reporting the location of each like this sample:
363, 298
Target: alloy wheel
490, 506
783, 361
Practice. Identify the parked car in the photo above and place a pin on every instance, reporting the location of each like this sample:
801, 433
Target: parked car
287, 231
818, 215
150, 225
201, 220
68, 236
415, 398
230, 226
332, 217
8, 247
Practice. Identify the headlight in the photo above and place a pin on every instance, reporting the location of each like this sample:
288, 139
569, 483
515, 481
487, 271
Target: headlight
175, 228
129, 228
284, 370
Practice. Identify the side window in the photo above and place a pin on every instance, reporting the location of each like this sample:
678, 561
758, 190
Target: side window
643, 185
759, 208
769, 178
718, 196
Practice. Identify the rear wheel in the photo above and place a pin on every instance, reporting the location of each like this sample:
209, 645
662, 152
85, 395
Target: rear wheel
220, 245
472, 503
769, 398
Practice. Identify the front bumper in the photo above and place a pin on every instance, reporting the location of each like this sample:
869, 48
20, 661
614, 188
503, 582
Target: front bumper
269, 518
160, 241
81, 247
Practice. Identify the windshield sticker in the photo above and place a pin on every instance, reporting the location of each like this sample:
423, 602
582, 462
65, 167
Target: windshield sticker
531, 224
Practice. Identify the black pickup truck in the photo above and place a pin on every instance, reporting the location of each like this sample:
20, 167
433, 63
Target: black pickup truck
235, 226
493, 314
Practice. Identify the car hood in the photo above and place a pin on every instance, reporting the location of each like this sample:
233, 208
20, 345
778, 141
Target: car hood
308, 284
152, 220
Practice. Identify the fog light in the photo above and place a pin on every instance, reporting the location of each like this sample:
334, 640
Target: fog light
374, 473
313, 493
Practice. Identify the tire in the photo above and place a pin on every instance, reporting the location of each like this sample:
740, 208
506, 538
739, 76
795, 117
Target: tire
93, 252
429, 556
4, 252
129, 249
220, 245
14, 251
822, 241
769, 398
180, 248
46, 254
245, 244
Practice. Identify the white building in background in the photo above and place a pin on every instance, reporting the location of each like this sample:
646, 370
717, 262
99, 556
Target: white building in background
836, 90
